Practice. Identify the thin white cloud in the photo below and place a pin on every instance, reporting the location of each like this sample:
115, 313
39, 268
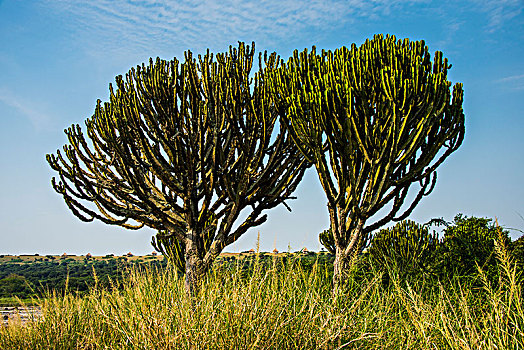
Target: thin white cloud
34, 114
142, 25
452, 26
511, 78
500, 12
122, 28
513, 82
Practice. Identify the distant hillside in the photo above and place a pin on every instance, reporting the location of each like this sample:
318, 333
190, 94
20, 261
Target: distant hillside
26, 276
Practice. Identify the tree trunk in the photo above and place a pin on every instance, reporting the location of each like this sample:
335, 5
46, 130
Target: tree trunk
340, 270
195, 268
345, 257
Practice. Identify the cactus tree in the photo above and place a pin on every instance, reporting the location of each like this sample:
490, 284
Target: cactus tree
407, 246
180, 144
374, 120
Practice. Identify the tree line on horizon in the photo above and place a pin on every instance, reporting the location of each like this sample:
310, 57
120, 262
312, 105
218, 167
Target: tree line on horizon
408, 250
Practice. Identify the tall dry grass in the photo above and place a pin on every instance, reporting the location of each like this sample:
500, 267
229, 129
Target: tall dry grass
281, 306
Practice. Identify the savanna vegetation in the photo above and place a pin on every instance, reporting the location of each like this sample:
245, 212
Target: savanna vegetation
391, 299
185, 148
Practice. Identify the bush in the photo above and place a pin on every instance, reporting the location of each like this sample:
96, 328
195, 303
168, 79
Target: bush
468, 243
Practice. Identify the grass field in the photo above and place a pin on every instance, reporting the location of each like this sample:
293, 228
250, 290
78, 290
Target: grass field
280, 306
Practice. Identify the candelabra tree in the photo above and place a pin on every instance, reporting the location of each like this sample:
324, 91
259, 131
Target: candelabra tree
184, 148
374, 120
408, 247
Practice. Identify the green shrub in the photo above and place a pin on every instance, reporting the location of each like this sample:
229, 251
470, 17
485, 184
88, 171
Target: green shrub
468, 243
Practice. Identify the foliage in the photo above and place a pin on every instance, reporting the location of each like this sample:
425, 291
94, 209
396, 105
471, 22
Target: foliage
326, 239
517, 251
409, 248
469, 243
374, 120
81, 275
175, 250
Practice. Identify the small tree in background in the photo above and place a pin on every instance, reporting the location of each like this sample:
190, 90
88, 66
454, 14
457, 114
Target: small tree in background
183, 148
407, 247
373, 119
469, 243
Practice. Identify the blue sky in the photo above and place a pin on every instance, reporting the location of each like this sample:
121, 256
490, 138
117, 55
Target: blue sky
58, 57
